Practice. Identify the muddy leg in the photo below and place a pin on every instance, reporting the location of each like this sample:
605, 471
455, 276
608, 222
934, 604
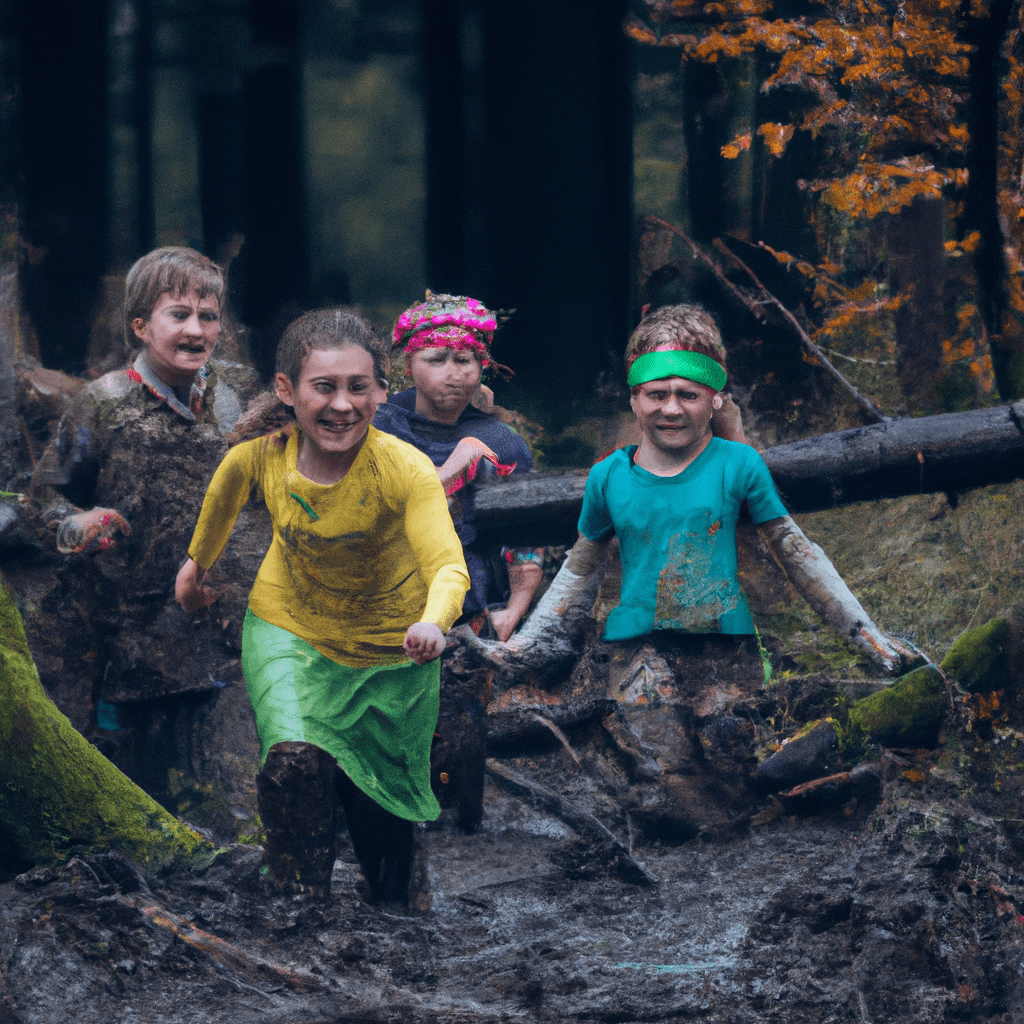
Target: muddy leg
383, 843
297, 804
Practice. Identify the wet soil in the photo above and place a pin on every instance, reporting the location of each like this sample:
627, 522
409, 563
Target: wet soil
908, 911
906, 907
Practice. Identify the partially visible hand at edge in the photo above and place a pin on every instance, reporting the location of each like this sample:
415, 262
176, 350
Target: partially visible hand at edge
90, 531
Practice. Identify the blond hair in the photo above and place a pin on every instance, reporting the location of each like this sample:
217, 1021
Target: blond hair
679, 328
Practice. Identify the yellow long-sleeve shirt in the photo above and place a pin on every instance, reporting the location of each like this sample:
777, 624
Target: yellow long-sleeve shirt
353, 564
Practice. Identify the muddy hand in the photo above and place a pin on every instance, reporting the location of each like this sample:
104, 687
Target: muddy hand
190, 590
459, 468
90, 531
727, 421
424, 642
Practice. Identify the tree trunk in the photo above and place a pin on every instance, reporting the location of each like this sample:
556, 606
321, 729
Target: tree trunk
58, 795
917, 265
9, 324
951, 452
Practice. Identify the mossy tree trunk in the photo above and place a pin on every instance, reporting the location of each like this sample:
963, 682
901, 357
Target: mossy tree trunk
58, 795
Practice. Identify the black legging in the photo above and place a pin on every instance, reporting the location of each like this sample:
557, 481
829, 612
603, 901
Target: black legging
382, 841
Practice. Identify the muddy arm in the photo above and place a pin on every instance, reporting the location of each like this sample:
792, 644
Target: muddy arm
818, 582
553, 634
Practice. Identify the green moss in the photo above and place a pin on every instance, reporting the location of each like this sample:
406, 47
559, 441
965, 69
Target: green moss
977, 659
58, 795
907, 714
852, 741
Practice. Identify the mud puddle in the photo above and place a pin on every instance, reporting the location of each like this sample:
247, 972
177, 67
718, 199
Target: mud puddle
909, 915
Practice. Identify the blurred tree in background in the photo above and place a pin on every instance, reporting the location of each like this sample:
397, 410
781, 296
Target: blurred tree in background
879, 154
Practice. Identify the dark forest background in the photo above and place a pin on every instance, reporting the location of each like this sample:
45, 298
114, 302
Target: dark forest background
859, 161
332, 151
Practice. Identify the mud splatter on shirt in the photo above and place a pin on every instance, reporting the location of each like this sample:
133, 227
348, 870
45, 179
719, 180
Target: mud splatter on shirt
691, 596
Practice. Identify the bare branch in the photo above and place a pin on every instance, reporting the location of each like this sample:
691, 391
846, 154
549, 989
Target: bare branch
765, 298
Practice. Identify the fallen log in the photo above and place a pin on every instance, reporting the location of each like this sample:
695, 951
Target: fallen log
917, 455
511, 727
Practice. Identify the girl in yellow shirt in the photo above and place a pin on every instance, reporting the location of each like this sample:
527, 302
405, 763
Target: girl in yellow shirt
347, 616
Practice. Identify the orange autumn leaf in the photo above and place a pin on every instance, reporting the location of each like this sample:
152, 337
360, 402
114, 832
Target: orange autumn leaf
740, 144
776, 137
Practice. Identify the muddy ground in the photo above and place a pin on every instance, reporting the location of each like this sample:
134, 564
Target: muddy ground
906, 905
906, 908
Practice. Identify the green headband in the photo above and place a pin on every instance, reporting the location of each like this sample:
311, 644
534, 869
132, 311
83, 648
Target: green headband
693, 366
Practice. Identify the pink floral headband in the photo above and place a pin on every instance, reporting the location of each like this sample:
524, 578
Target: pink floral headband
446, 337
446, 321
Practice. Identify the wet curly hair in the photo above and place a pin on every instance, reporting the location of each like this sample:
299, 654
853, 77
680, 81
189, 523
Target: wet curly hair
681, 328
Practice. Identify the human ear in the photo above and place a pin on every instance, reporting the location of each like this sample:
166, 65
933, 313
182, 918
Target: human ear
139, 327
283, 387
716, 402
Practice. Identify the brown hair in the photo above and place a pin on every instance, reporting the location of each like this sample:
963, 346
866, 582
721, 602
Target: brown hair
174, 269
327, 329
681, 328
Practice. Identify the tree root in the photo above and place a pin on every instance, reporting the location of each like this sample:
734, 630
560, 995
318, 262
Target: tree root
250, 967
580, 820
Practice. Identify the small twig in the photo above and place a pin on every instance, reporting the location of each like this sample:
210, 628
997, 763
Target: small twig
866, 404
859, 359
226, 954
580, 820
766, 297
547, 723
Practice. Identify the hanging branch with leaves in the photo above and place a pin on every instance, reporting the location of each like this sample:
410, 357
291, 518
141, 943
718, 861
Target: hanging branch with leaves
905, 102
762, 298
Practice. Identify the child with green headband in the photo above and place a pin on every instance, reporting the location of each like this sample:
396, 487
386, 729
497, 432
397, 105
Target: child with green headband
674, 500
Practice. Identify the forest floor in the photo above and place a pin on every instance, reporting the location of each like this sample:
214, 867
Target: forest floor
908, 910
907, 913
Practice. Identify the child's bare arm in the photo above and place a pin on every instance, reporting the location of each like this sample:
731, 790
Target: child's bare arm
562, 613
826, 592
523, 580
424, 642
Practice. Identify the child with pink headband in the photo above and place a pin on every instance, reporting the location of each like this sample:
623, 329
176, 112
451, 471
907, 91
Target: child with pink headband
446, 342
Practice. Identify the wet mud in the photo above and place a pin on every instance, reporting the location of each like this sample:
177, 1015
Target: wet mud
907, 910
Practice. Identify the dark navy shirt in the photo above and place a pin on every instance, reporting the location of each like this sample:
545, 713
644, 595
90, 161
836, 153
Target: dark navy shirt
437, 441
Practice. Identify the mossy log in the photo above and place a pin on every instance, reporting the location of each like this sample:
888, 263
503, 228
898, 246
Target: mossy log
915, 455
979, 660
59, 796
907, 714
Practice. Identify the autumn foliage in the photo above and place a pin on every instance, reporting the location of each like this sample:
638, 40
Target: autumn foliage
903, 103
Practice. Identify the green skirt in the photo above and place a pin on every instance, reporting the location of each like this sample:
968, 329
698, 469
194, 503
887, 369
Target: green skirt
378, 723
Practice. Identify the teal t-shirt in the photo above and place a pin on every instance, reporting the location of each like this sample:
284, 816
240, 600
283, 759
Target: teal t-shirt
677, 537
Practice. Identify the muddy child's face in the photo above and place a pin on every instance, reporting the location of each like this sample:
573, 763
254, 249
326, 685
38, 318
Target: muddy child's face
674, 414
446, 380
334, 399
179, 335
